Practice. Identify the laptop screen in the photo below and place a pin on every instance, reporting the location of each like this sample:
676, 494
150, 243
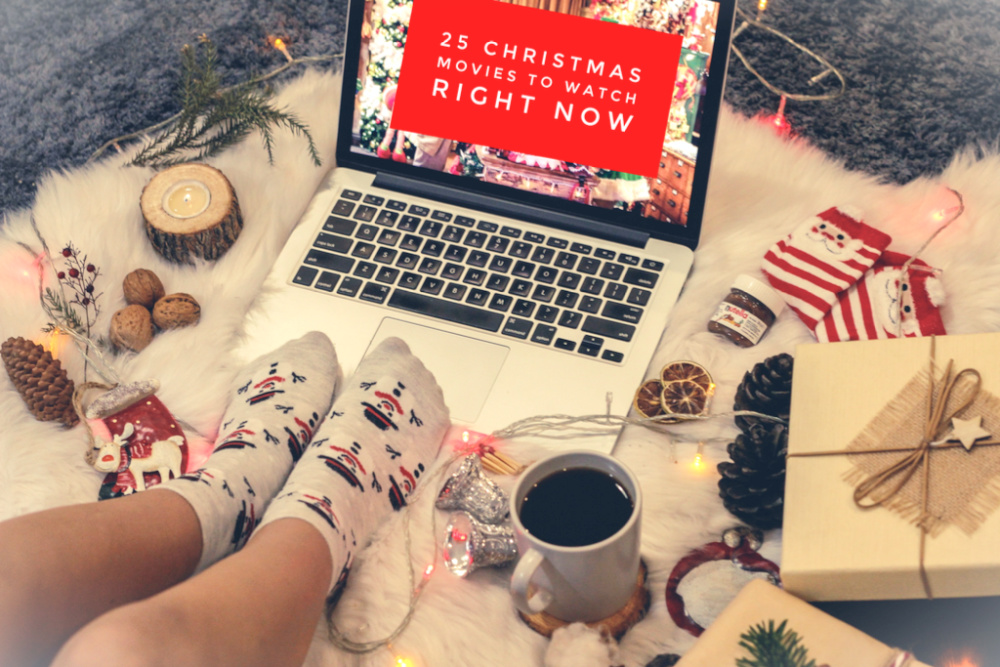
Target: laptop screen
605, 109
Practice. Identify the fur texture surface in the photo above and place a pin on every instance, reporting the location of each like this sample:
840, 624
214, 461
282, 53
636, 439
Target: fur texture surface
762, 187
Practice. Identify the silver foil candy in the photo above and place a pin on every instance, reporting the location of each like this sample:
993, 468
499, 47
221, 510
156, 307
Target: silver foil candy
470, 544
468, 489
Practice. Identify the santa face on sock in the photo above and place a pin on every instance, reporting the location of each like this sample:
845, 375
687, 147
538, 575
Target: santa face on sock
826, 240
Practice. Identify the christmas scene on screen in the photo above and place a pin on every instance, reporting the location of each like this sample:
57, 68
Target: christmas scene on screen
663, 198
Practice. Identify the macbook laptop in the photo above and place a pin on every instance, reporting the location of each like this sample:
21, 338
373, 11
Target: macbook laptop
517, 195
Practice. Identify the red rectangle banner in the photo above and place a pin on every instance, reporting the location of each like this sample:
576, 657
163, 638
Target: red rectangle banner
537, 82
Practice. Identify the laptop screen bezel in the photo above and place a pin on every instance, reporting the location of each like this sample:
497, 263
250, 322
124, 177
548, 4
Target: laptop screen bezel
685, 235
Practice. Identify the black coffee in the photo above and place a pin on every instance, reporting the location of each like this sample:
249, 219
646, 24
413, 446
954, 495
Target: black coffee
575, 507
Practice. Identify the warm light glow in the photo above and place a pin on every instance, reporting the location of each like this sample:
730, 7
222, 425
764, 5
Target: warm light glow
279, 44
52, 342
761, 5
403, 662
965, 661
699, 464
428, 571
942, 214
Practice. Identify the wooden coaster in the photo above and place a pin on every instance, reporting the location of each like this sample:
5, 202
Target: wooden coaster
191, 209
616, 625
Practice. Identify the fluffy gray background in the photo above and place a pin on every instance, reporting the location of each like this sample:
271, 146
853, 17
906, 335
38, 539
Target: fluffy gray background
922, 74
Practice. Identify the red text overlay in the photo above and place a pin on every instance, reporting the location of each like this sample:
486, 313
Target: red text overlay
537, 82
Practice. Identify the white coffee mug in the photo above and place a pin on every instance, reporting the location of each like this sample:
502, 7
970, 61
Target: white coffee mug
582, 583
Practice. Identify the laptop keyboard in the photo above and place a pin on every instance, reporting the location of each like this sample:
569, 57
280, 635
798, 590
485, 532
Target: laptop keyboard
544, 289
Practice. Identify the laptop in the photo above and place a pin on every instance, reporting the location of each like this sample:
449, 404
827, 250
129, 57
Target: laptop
518, 193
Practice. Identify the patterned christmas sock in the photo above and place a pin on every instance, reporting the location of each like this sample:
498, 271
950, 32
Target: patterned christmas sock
278, 402
380, 438
887, 303
820, 259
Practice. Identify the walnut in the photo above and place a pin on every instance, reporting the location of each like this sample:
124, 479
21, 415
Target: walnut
143, 287
176, 310
132, 328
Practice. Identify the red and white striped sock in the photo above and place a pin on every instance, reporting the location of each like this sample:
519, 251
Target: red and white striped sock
885, 303
820, 259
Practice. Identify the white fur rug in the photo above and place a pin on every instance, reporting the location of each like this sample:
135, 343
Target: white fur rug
762, 186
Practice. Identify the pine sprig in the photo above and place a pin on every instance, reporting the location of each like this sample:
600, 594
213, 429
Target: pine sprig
771, 646
213, 118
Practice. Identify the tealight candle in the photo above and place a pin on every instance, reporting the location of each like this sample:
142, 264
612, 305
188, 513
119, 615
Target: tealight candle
186, 199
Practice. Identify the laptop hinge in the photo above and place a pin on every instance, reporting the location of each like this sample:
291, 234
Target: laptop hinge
510, 209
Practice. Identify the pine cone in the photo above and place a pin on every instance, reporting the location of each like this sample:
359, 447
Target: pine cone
767, 388
753, 483
40, 379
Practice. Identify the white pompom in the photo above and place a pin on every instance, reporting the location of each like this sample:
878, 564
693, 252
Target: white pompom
576, 645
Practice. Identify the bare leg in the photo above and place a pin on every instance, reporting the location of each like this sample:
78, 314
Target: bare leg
257, 607
63, 567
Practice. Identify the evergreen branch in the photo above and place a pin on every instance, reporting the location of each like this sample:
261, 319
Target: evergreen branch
65, 316
771, 646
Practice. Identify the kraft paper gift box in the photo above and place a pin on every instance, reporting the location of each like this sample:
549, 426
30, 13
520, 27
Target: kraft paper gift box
939, 535
828, 641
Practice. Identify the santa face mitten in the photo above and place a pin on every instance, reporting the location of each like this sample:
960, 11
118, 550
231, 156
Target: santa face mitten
278, 402
381, 437
820, 259
887, 302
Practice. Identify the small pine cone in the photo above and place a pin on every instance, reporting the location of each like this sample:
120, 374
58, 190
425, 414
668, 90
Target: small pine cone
767, 388
41, 381
752, 485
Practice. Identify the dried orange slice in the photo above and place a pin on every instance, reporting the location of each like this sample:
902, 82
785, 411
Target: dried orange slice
648, 402
684, 397
677, 371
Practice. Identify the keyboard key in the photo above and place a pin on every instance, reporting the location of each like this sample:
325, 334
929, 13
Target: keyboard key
387, 274
411, 242
455, 291
441, 216
367, 232
652, 265
474, 277
409, 280
430, 266
408, 223
351, 194
407, 260
452, 271
475, 239
497, 244
567, 299
339, 226
581, 248
464, 221
543, 293
327, 281
455, 253
453, 234
622, 312
569, 280
395, 205
588, 265
546, 274
639, 296
305, 276
433, 248
430, 228
533, 237
517, 328
363, 250
478, 297
611, 355
640, 278
566, 260
604, 253
388, 237
570, 319
512, 232
629, 260
365, 213
544, 334
387, 218
565, 344
543, 255
343, 207
592, 286
349, 286
612, 271
547, 314
446, 310
419, 210
384, 255
375, 293
432, 285
325, 260
557, 243
333, 243
500, 264
520, 249
523, 269
615, 291
488, 227
608, 328
520, 287
590, 304
590, 346
500, 302
365, 270
478, 258
374, 200
523, 308
497, 282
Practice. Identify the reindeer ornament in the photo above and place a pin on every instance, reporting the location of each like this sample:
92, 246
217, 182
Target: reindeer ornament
164, 458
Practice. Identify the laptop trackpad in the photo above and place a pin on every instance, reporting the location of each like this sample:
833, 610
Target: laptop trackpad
465, 368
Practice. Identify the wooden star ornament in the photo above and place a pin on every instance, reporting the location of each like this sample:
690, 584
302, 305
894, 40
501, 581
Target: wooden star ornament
967, 431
